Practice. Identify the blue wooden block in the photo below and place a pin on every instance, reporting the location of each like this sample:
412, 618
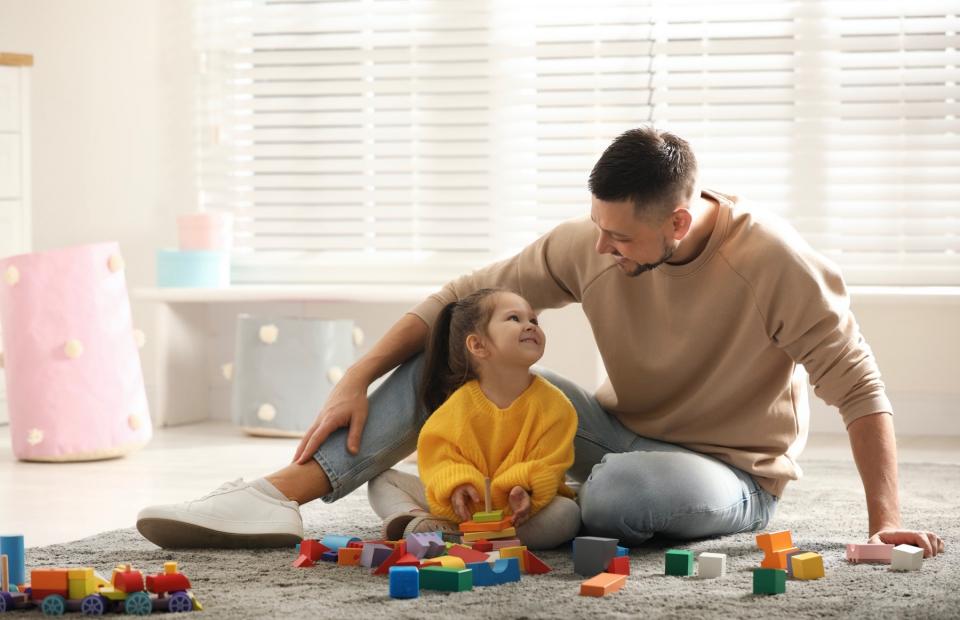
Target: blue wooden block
329, 556
334, 542
13, 548
404, 582
621, 551
502, 571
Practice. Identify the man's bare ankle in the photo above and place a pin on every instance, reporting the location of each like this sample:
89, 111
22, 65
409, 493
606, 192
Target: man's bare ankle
301, 483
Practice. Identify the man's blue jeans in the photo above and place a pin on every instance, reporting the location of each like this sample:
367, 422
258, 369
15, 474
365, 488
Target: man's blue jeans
632, 487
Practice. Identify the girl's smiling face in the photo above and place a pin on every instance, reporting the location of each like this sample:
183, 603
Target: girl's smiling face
513, 336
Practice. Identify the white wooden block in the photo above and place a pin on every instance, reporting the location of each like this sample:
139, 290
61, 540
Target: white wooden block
711, 565
906, 557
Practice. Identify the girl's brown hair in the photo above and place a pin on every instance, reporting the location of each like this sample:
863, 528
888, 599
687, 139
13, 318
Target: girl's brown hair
448, 364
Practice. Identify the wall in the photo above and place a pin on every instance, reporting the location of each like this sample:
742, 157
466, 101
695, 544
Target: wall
113, 158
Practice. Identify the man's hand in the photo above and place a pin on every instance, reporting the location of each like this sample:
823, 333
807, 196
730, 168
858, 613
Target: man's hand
463, 499
346, 406
928, 541
519, 501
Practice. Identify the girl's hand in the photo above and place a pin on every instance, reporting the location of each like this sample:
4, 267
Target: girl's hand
463, 498
346, 406
519, 501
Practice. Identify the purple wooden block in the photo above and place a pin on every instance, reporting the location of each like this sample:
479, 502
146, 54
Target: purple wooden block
374, 554
419, 544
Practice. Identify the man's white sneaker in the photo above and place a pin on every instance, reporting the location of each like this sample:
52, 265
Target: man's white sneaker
237, 515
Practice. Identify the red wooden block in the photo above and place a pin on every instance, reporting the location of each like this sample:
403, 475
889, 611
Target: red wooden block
483, 545
355, 544
312, 548
408, 559
619, 565
469, 555
303, 562
399, 550
534, 565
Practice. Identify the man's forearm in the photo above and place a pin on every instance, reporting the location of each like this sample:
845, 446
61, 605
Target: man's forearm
874, 448
406, 338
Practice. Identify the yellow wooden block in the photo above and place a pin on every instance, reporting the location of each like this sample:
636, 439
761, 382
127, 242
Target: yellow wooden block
515, 552
446, 561
81, 583
510, 532
807, 566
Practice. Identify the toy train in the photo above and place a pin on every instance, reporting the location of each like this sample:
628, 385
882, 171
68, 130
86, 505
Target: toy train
58, 590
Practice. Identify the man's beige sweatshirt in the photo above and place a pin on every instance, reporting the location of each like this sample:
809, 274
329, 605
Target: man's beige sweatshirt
703, 354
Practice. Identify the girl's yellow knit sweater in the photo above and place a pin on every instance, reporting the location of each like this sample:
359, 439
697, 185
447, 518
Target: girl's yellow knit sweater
528, 444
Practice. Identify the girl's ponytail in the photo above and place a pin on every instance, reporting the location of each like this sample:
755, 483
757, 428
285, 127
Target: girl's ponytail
437, 376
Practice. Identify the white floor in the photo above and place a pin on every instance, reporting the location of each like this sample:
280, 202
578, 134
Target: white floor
52, 503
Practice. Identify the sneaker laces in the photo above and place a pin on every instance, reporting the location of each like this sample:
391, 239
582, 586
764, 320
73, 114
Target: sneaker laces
224, 488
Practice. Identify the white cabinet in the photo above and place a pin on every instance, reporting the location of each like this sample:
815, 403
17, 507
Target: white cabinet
15, 224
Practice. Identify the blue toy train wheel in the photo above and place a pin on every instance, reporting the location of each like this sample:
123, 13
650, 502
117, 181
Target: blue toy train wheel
93, 605
138, 604
6, 602
179, 602
53, 605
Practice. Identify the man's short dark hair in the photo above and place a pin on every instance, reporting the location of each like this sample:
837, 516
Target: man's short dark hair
656, 170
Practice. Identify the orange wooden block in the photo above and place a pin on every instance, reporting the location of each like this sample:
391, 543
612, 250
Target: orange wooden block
602, 584
348, 556
777, 559
775, 541
48, 578
492, 526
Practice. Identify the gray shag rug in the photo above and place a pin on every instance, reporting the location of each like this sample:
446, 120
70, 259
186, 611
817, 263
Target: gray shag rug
824, 511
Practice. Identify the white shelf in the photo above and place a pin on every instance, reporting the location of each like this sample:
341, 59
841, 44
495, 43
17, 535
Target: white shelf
325, 293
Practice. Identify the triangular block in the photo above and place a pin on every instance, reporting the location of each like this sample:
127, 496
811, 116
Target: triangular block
534, 565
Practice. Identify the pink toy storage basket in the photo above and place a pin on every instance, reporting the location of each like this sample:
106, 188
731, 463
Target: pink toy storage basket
74, 383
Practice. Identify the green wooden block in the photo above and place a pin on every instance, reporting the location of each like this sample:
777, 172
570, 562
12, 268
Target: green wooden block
679, 563
769, 581
446, 579
488, 517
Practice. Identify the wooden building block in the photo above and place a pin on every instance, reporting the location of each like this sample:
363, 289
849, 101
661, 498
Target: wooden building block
775, 541
906, 557
874, 553
534, 565
777, 559
711, 565
509, 532
446, 579
592, 554
769, 581
619, 565
348, 556
602, 584
678, 562
807, 566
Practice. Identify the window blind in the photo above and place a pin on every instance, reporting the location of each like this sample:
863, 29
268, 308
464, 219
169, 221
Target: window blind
412, 140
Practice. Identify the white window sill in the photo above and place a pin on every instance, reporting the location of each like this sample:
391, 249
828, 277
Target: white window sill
415, 293
320, 292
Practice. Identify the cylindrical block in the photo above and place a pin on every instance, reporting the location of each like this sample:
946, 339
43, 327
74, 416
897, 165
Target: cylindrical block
284, 369
74, 383
205, 231
12, 547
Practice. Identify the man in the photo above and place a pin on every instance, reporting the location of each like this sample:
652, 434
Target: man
701, 311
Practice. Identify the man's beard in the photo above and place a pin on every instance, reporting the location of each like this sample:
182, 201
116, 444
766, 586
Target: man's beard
645, 267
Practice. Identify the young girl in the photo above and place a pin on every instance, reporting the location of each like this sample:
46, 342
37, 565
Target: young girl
492, 419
